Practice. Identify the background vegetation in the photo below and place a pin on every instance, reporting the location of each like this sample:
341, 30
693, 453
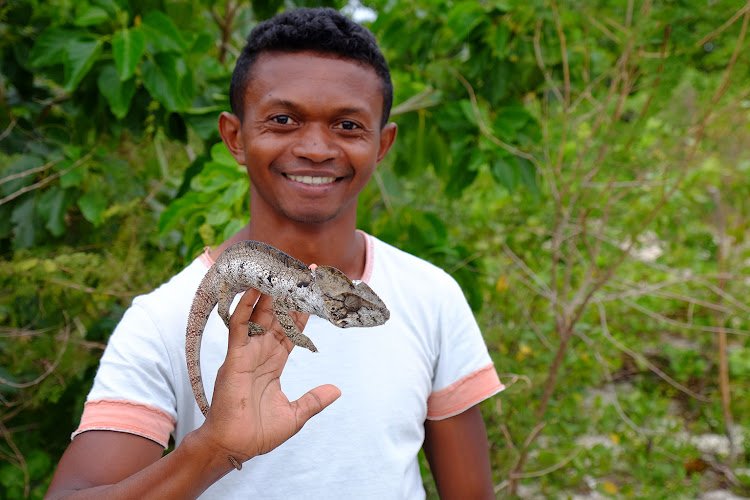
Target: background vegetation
581, 170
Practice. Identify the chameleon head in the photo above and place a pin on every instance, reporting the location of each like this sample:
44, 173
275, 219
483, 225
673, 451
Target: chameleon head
349, 304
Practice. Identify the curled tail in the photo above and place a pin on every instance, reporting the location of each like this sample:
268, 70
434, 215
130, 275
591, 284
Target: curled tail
204, 302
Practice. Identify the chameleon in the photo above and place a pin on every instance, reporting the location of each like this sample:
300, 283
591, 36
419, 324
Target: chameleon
324, 291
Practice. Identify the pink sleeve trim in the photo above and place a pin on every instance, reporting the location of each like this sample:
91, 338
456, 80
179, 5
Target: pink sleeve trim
463, 394
127, 416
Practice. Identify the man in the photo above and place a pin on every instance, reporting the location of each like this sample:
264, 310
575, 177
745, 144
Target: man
310, 96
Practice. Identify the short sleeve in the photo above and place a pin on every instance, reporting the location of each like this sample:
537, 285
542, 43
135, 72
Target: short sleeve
465, 374
133, 388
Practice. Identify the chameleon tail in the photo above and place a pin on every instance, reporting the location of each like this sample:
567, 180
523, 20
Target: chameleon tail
204, 302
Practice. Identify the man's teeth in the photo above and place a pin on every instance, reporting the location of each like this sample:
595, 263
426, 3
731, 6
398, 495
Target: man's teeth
308, 179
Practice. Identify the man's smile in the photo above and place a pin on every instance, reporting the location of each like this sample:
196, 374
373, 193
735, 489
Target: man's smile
312, 180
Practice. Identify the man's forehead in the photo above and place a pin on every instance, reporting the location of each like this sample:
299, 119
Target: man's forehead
298, 58
300, 72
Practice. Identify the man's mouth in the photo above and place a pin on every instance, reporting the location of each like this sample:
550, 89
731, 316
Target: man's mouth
311, 180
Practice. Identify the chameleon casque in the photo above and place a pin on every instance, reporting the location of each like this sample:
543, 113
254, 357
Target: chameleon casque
324, 291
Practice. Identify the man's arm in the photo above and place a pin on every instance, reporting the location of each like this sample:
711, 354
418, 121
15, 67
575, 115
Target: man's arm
458, 453
249, 416
108, 464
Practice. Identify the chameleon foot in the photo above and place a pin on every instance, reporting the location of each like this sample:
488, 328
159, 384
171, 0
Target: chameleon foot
254, 329
236, 464
302, 340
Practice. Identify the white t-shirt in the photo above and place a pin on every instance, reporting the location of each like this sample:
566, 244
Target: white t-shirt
428, 361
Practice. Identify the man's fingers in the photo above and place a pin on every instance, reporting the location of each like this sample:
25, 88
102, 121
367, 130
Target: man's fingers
241, 316
315, 401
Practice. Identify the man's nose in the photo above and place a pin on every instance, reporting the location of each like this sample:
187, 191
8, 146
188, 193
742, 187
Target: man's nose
315, 144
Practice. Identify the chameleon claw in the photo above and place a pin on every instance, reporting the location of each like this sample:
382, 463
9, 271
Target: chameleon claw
236, 464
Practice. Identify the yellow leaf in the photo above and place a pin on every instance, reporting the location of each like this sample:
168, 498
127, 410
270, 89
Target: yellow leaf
615, 438
502, 284
523, 351
610, 487
27, 264
49, 266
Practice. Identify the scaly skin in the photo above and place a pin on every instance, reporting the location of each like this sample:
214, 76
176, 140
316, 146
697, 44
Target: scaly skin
325, 292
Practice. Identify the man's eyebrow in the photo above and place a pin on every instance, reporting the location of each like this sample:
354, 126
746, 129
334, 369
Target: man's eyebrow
349, 111
284, 103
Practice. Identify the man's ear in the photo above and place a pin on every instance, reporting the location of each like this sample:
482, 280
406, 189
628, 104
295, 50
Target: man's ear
387, 136
230, 129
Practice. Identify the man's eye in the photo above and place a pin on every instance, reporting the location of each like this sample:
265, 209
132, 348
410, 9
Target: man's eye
282, 119
347, 125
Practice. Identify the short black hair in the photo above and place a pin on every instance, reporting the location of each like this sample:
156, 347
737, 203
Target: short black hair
322, 30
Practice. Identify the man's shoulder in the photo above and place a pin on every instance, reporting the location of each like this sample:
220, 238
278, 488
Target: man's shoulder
177, 290
409, 269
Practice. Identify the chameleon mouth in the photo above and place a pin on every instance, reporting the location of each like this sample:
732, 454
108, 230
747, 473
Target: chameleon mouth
311, 180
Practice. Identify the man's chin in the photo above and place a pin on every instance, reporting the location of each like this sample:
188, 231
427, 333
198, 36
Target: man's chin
311, 217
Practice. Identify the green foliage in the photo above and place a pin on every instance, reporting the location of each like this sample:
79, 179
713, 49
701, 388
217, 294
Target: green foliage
537, 140
212, 210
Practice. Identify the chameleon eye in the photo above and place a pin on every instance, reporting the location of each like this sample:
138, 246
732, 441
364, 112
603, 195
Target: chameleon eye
352, 303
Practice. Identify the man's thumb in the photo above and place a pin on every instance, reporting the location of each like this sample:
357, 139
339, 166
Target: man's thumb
313, 402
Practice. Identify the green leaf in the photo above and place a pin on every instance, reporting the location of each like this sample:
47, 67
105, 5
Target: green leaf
528, 175
92, 205
234, 193
127, 49
506, 173
461, 177
11, 476
511, 118
49, 48
24, 219
468, 110
118, 93
220, 154
217, 216
202, 44
463, 18
500, 36
180, 209
52, 207
80, 55
39, 463
113, 7
437, 151
214, 177
161, 79
161, 33
91, 16
73, 177
204, 125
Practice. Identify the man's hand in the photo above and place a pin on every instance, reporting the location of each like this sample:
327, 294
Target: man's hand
249, 414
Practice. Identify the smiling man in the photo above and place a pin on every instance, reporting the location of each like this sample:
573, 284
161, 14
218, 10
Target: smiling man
311, 96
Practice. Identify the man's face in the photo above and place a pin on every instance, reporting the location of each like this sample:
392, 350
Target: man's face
311, 136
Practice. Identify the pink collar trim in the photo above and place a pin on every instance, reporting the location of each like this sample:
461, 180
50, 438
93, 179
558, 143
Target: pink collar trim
206, 259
